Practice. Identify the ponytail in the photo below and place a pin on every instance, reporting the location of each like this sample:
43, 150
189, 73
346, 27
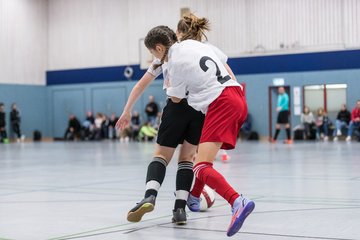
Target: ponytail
193, 27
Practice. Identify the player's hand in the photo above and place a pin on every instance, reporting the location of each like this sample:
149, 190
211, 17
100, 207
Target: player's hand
278, 109
123, 121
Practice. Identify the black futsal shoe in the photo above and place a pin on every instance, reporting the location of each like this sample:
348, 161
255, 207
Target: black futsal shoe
144, 206
179, 216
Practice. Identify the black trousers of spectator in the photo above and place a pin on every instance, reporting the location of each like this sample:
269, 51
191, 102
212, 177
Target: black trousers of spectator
3, 134
16, 129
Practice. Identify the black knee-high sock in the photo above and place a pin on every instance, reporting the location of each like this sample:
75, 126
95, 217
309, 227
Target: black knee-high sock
155, 176
288, 133
184, 179
276, 133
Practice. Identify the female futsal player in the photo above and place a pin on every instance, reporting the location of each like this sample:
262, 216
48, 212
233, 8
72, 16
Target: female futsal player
187, 28
195, 72
185, 130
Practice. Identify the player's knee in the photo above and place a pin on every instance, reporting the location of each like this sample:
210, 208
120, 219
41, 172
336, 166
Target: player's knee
163, 156
187, 156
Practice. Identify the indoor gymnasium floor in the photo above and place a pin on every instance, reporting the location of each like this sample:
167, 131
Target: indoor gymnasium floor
66, 190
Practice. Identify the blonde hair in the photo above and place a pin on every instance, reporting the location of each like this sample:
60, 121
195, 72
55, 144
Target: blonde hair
193, 27
321, 112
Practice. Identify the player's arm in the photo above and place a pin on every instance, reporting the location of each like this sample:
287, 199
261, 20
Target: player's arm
136, 92
231, 73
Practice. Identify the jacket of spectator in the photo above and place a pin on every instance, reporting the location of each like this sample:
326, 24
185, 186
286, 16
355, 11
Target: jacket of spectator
355, 114
344, 116
2, 120
15, 116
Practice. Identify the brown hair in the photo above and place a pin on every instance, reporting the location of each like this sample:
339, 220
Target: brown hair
306, 108
160, 35
321, 112
193, 27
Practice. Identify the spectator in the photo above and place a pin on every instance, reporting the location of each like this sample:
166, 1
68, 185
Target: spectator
3, 135
342, 120
15, 122
151, 110
283, 115
322, 125
98, 127
105, 127
88, 126
87, 130
112, 131
355, 120
135, 125
90, 117
147, 132
74, 129
308, 122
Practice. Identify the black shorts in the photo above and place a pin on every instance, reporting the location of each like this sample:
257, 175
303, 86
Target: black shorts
283, 117
179, 122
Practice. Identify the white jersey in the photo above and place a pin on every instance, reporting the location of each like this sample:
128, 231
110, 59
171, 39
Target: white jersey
195, 72
223, 58
158, 71
155, 72
163, 68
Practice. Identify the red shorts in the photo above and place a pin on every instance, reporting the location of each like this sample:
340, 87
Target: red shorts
224, 118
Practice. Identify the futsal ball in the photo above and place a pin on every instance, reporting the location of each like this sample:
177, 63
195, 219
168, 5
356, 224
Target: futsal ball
207, 198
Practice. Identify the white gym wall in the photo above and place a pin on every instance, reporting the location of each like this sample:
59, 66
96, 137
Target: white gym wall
88, 33
40, 35
23, 41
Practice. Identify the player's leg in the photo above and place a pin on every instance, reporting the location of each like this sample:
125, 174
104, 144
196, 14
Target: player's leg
277, 127
204, 172
171, 131
185, 174
220, 131
288, 133
184, 179
154, 178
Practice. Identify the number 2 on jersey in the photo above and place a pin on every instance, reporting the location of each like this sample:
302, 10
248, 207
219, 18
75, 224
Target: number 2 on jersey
203, 66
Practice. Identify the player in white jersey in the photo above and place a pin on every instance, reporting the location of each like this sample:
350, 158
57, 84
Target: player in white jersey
186, 130
186, 29
195, 72
180, 124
